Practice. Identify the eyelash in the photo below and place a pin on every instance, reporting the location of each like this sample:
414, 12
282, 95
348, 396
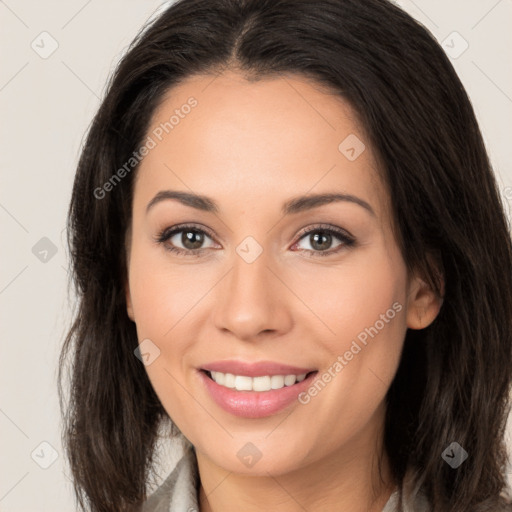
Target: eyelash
167, 233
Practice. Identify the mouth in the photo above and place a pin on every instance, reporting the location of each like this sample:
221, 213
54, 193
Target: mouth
257, 384
255, 397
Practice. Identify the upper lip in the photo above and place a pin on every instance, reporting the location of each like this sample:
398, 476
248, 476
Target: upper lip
257, 369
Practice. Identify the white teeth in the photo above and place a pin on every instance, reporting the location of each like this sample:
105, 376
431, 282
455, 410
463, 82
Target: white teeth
289, 380
243, 383
229, 380
219, 378
277, 381
263, 383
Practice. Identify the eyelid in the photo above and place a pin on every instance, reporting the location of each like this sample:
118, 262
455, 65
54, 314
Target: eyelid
166, 233
325, 227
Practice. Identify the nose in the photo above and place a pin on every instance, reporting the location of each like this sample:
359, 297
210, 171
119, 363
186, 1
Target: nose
252, 302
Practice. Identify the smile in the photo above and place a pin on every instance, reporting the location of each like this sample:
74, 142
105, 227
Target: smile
254, 397
262, 383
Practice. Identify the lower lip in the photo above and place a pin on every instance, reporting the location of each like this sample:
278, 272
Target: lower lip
254, 404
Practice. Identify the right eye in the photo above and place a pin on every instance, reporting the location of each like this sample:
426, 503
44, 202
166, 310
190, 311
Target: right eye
190, 237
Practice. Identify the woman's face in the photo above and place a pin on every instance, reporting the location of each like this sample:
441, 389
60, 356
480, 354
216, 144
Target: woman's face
251, 285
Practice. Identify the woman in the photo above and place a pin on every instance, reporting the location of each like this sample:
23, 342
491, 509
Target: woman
289, 248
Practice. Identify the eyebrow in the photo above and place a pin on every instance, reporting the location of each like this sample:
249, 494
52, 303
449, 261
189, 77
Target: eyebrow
293, 206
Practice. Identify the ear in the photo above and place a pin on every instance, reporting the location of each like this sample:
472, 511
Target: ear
423, 303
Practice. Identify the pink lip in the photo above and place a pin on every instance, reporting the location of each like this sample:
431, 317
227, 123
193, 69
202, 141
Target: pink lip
258, 369
255, 404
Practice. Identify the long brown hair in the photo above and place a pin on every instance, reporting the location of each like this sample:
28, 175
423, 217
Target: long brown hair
454, 378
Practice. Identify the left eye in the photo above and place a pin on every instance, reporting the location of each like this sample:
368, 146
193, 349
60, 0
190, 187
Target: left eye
321, 239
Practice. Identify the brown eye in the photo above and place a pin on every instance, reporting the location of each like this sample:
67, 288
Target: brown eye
321, 239
190, 238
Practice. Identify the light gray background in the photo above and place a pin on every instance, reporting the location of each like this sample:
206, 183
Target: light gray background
46, 106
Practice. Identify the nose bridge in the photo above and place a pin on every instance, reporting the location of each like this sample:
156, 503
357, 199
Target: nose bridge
250, 275
251, 300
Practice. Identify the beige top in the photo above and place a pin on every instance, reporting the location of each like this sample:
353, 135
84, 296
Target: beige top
179, 492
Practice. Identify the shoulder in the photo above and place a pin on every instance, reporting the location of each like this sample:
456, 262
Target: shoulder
417, 504
178, 493
414, 499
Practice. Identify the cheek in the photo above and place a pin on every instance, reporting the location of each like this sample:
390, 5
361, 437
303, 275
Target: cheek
365, 307
349, 299
162, 293
169, 302
162, 301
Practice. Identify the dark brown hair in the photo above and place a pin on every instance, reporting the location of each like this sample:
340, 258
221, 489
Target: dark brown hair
454, 378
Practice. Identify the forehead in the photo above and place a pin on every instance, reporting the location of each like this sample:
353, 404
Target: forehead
270, 139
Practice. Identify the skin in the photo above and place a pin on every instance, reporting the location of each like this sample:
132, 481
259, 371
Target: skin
251, 147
